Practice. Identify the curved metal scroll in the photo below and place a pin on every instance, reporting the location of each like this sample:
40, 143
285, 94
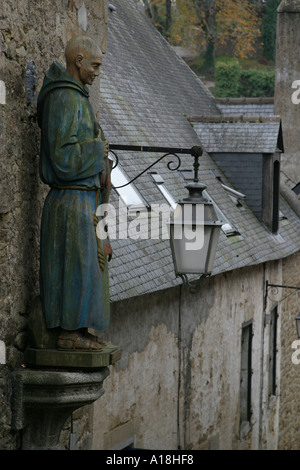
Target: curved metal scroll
169, 165
274, 288
194, 283
116, 162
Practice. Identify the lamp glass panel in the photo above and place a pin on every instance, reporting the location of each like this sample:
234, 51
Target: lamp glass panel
194, 248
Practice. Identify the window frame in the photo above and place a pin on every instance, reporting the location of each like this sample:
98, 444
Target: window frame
126, 192
160, 184
246, 373
273, 350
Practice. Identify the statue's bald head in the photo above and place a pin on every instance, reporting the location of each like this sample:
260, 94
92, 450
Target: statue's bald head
83, 59
81, 45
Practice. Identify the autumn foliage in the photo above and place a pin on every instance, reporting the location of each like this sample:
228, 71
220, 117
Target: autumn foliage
220, 22
238, 23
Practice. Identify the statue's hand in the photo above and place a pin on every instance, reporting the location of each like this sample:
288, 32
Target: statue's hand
97, 129
108, 252
104, 180
106, 148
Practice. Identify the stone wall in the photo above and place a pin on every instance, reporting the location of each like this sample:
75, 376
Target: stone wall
287, 104
289, 431
287, 84
178, 381
32, 35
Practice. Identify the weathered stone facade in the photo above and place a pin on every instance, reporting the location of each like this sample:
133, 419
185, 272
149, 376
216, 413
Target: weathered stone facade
178, 382
289, 432
190, 397
287, 83
32, 35
287, 105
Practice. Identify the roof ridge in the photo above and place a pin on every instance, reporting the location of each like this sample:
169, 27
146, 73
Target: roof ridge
225, 118
245, 100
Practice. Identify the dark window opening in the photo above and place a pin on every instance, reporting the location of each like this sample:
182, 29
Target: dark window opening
296, 189
246, 373
273, 351
275, 215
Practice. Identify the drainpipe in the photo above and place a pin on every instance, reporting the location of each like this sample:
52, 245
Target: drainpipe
261, 388
179, 369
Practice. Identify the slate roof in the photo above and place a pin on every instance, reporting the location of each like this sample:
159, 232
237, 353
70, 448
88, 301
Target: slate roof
146, 93
232, 134
236, 144
246, 106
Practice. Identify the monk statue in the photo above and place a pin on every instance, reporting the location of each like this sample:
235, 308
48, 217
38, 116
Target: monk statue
74, 162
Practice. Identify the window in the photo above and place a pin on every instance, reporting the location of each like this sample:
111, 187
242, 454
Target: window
271, 191
129, 443
273, 351
246, 373
296, 189
159, 181
283, 220
236, 196
276, 194
227, 227
129, 194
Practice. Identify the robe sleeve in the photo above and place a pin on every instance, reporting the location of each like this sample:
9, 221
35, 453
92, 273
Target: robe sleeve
73, 151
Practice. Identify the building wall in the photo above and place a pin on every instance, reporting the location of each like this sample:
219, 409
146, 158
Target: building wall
289, 432
287, 104
287, 84
178, 382
32, 35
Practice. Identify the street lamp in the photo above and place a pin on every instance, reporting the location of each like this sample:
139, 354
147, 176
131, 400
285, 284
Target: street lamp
194, 228
194, 231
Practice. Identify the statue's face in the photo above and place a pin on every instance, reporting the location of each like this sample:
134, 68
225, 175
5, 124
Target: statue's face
89, 68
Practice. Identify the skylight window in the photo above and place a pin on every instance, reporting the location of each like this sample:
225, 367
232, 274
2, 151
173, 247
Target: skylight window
129, 194
296, 189
235, 195
227, 227
159, 181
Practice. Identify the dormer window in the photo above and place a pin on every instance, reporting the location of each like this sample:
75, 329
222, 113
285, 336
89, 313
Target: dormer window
247, 150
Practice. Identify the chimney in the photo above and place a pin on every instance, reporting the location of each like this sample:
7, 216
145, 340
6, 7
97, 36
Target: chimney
287, 85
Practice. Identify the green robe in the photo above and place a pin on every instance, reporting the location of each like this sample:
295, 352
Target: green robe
74, 288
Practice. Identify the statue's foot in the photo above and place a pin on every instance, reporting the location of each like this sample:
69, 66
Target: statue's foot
75, 340
95, 338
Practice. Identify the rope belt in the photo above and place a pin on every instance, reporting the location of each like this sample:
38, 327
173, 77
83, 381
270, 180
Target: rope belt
101, 257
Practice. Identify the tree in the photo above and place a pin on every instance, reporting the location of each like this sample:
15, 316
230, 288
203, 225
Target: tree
185, 29
160, 14
207, 13
168, 16
151, 10
269, 29
228, 22
210, 23
239, 24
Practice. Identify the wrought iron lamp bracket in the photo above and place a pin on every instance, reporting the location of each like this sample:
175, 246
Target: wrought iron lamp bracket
275, 287
195, 151
194, 284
